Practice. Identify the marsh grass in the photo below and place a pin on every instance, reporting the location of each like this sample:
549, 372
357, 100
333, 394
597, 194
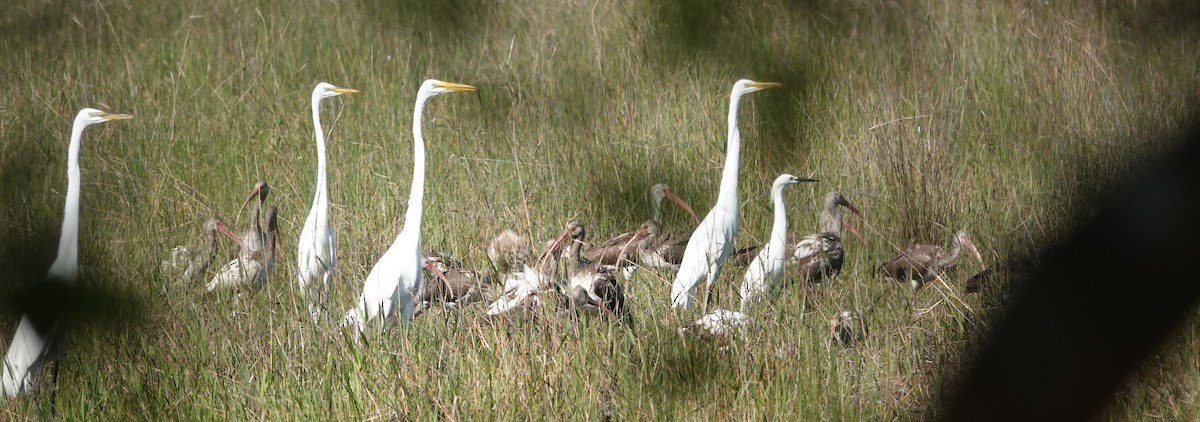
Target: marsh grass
999, 118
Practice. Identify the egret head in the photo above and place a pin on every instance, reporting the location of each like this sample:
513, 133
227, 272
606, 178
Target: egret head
432, 87
89, 116
326, 90
746, 86
787, 179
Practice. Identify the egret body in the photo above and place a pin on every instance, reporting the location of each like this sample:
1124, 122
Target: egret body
712, 241
396, 278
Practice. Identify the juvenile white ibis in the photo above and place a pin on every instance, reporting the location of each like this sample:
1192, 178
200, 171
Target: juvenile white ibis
394, 280
821, 255
252, 267
847, 328
606, 253
316, 257
452, 284
524, 283
508, 251
195, 260
712, 241
41, 335
254, 237
591, 288
921, 263
719, 326
762, 277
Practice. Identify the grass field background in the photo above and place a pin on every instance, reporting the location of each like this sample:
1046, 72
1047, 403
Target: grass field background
930, 116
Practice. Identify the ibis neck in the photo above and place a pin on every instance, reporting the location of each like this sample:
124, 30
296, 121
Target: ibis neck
779, 228
320, 197
66, 265
412, 217
831, 218
729, 174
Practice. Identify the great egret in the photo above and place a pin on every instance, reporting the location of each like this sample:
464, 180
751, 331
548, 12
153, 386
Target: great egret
394, 280
40, 338
762, 277
921, 263
196, 260
252, 267
316, 256
712, 242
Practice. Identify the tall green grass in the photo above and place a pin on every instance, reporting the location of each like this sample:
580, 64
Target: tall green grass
930, 116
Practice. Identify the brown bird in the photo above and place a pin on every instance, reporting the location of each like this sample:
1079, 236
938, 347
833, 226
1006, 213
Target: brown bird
591, 289
607, 252
524, 283
252, 267
448, 282
921, 263
818, 255
978, 280
847, 328
196, 260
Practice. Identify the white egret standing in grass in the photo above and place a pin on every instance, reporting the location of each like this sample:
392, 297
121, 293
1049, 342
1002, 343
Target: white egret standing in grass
394, 280
40, 338
712, 242
316, 257
762, 277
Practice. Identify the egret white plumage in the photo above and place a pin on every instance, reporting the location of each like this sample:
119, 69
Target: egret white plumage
316, 256
43, 337
762, 276
712, 242
394, 280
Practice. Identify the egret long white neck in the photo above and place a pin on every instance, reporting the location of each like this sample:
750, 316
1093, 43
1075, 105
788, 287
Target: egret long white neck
66, 265
320, 199
729, 174
779, 228
412, 217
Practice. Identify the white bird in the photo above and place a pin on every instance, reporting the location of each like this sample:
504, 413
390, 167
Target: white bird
316, 257
37, 339
762, 276
712, 242
394, 280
